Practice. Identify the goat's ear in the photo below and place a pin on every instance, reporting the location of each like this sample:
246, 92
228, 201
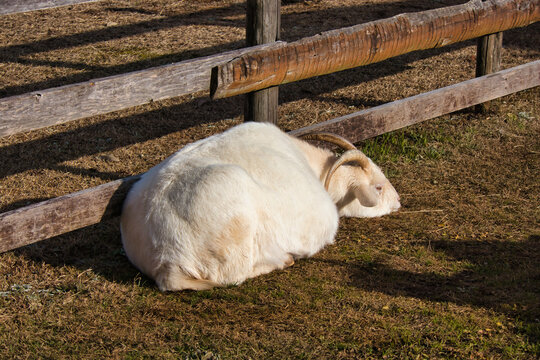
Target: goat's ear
368, 195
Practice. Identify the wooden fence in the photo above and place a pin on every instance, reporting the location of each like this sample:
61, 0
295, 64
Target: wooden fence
241, 69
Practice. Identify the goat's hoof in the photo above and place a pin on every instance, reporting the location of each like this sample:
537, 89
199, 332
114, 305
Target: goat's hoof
289, 262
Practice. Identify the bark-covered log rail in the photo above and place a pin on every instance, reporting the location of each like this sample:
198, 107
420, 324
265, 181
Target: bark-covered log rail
369, 43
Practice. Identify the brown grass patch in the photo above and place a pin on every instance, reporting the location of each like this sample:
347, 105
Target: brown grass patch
455, 274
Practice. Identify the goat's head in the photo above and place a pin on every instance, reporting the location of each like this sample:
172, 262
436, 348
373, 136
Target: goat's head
358, 186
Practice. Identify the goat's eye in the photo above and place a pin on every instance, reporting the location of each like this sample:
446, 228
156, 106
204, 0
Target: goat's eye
378, 188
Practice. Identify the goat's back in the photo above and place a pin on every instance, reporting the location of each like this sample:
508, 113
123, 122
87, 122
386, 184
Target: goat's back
227, 208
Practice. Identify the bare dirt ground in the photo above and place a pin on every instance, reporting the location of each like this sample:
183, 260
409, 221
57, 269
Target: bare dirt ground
454, 274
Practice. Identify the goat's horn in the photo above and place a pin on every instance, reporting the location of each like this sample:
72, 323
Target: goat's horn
353, 155
331, 138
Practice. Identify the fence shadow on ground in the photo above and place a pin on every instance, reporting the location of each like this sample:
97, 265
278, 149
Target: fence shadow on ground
504, 276
97, 247
49, 152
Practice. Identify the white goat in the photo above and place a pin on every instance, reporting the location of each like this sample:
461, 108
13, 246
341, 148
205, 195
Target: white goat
243, 203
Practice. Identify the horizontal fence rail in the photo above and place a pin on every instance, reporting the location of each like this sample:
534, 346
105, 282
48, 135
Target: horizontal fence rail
53, 217
368, 43
18, 6
54, 106
375, 121
63, 214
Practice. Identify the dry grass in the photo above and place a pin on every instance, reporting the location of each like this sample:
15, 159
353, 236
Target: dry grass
455, 274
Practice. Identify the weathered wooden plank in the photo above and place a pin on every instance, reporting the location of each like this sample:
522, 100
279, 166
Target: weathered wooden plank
395, 115
263, 24
70, 212
368, 43
488, 59
18, 6
53, 217
99, 96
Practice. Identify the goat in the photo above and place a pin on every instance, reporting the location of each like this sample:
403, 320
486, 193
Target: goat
243, 203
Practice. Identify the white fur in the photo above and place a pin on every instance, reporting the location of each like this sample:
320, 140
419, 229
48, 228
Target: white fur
237, 205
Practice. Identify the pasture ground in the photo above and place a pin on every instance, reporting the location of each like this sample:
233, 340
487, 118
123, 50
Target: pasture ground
454, 274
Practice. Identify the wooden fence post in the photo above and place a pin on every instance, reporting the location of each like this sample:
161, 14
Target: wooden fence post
263, 22
488, 59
